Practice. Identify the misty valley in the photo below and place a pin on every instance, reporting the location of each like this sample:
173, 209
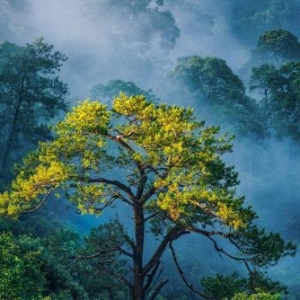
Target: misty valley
149, 149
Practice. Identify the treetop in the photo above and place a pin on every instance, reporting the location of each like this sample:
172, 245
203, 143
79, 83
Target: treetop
163, 155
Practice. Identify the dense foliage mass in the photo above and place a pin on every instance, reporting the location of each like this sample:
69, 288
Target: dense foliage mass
30, 95
157, 174
171, 177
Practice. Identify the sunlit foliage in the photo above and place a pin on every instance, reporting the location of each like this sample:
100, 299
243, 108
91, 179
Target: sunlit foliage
170, 174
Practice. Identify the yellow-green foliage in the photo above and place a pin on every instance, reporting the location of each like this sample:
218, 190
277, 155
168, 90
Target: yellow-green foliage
259, 296
163, 146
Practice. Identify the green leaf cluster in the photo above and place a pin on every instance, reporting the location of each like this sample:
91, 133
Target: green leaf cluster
169, 171
31, 94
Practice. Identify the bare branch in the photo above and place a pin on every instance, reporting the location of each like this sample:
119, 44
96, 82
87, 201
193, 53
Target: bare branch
108, 203
148, 194
174, 233
158, 289
39, 205
150, 278
143, 178
125, 252
127, 238
115, 183
99, 253
156, 171
152, 215
181, 273
123, 278
222, 251
81, 257
120, 141
207, 233
205, 208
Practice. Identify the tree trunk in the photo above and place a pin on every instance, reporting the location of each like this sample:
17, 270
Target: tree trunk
11, 135
14, 124
138, 277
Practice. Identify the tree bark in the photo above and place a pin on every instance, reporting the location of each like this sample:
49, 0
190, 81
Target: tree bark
11, 135
14, 124
138, 276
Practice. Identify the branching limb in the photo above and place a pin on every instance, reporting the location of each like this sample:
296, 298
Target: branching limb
83, 257
173, 234
107, 204
222, 251
181, 273
143, 177
123, 278
158, 289
125, 252
152, 215
127, 238
39, 205
150, 278
208, 233
156, 171
99, 253
148, 194
111, 182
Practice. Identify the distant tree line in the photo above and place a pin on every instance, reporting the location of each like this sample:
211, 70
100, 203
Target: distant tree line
170, 175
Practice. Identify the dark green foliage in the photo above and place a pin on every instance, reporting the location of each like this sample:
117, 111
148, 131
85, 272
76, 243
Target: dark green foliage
56, 263
210, 76
21, 275
30, 94
216, 87
113, 88
280, 103
102, 255
276, 46
257, 296
62, 283
34, 268
263, 247
223, 286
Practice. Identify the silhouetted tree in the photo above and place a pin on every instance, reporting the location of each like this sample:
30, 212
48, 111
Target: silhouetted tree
276, 47
30, 94
280, 103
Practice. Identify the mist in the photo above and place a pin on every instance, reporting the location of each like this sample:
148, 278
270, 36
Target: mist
101, 46
91, 42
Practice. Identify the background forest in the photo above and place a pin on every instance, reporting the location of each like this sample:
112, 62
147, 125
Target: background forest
236, 63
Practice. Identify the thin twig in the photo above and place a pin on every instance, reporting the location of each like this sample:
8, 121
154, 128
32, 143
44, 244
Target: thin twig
40, 204
181, 273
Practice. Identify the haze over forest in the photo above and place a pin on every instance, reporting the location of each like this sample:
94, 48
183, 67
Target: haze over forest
236, 63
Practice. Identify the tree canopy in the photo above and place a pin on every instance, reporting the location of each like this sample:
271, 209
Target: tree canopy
211, 76
277, 46
279, 104
214, 85
114, 87
161, 163
31, 94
